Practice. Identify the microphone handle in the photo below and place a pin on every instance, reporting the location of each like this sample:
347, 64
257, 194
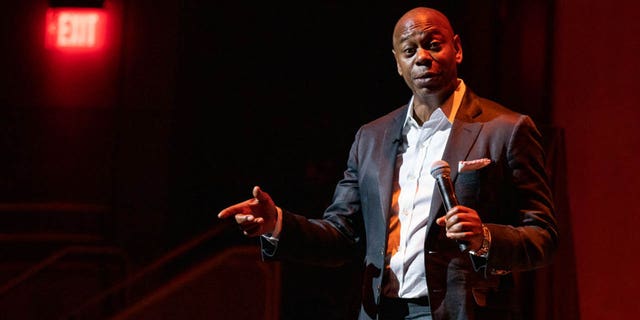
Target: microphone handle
450, 200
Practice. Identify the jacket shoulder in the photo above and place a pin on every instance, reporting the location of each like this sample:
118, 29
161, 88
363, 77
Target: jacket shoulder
395, 115
483, 109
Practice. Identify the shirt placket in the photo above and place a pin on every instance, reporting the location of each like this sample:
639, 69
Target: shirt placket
422, 146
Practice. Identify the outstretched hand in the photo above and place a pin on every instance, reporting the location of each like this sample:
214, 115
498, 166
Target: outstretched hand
255, 216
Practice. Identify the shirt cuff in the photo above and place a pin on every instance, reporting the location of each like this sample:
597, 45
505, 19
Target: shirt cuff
275, 235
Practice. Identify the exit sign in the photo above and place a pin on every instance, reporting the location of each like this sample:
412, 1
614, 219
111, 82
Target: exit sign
75, 29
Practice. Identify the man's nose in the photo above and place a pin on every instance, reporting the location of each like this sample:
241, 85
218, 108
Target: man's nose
424, 56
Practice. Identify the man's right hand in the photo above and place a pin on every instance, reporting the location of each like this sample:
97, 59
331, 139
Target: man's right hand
256, 216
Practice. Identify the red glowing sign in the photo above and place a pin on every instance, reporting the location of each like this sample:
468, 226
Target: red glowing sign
75, 28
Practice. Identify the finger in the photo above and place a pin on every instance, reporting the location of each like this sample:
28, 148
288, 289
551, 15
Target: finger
244, 218
260, 195
459, 227
452, 212
249, 221
235, 209
459, 235
452, 220
444, 220
462, 231
225, 213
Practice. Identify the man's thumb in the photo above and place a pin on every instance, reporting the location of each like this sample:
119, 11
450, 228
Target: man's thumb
258, 194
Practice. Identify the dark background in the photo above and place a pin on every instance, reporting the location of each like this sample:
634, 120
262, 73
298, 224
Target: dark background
191, 103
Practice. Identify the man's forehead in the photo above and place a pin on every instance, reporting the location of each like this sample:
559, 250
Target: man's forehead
421, 24
421, 14
420, 30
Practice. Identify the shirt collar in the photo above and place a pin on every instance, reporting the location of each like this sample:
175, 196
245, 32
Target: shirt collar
458, 93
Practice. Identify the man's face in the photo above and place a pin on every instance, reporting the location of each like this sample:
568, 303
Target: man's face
427, 54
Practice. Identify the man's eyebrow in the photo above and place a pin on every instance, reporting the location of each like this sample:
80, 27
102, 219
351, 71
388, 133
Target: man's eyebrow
405, 37
429, 31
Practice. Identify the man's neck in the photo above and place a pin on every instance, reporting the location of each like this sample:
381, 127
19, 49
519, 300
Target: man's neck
422, 110
424, 106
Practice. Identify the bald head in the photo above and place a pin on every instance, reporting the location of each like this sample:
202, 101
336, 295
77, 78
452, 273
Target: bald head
427, 54
420, 16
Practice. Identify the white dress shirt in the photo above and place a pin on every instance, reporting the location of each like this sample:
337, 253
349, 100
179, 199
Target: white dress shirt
412, 191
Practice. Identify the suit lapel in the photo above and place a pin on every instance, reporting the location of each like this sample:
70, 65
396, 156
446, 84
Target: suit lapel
463, 136
464, 133
391, 140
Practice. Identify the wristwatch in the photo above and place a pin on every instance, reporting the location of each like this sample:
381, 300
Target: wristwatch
486, 244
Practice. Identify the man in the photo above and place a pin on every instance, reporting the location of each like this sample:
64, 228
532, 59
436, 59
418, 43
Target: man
387, 209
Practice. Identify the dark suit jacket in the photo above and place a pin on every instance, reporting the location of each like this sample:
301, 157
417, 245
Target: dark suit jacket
511, 195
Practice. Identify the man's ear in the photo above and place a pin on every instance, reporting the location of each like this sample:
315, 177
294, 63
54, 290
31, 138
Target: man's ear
397, 64
457, 45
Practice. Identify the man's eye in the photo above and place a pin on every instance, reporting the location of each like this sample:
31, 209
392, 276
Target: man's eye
435, 45
409, 51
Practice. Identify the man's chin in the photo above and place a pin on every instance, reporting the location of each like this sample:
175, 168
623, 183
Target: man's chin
428, 90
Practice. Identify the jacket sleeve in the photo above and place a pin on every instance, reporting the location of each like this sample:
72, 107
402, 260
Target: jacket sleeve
334, 239
531, 241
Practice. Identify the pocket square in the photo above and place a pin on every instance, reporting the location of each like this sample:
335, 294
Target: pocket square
471, 165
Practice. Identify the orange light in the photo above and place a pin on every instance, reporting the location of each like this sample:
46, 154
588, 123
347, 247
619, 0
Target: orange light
75, 29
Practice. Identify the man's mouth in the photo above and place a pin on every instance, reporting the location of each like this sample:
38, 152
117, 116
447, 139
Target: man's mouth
427, 75
425, 79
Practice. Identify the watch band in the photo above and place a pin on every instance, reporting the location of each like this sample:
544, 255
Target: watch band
486, 243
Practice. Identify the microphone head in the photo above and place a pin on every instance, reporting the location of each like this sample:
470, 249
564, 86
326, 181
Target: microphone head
440, 167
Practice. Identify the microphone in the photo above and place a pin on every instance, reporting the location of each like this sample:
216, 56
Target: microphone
441, 171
